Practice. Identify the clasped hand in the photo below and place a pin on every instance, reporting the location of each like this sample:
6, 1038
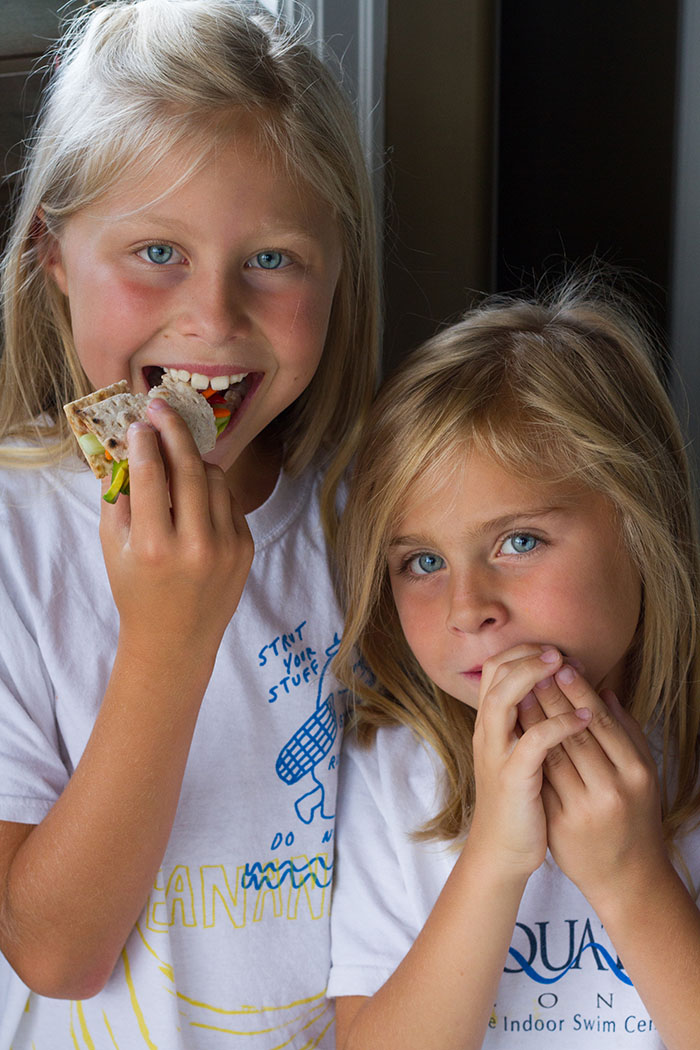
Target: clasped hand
559, 765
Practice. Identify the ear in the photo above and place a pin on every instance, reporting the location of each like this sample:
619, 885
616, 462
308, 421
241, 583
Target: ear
49, 249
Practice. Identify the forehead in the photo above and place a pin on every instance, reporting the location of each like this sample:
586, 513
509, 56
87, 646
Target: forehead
237, 168
474, 488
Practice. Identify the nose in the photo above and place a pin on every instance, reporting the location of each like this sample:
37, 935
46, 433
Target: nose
213, 308
475, 604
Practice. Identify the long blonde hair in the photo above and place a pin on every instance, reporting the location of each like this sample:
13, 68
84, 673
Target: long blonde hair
558, 388
134, 80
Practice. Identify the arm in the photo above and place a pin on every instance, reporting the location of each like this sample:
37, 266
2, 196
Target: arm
72, 887
605, 832
442, 994
345, 1009
655, 927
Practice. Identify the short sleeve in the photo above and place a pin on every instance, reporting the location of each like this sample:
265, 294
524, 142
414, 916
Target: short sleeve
32, 772
371, 915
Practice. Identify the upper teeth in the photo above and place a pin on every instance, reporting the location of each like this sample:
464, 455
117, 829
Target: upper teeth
202, 382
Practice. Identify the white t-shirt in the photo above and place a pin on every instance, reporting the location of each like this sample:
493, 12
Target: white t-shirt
563, 985
232, 948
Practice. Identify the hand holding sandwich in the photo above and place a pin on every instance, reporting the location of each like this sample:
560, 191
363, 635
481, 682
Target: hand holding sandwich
178, 551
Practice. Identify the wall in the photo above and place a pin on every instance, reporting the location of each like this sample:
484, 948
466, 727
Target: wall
439, 171
27, 26
586, 138
685, 267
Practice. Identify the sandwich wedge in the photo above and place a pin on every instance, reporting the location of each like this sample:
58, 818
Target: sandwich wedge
100, 422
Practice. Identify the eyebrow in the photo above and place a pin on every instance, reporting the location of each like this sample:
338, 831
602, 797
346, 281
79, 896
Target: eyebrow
505, 521
275, 230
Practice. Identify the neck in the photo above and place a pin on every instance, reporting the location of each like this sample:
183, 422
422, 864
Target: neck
254, 475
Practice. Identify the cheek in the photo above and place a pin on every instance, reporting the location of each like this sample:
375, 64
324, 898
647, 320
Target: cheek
560, 602
310, 318
313, 302
618, 587
101, 305
418, 623
627, 605
302, 348
593, 616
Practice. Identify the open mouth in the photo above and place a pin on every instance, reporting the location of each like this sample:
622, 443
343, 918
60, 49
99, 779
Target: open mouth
225, 392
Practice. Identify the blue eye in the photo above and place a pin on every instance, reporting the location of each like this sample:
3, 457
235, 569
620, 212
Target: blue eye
519, 543
425, 564
161, 254
268, 261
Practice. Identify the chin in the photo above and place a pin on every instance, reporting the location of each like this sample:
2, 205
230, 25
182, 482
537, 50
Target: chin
222, 457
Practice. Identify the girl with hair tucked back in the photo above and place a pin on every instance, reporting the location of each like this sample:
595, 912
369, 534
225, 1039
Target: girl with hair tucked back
522, 583
195, 202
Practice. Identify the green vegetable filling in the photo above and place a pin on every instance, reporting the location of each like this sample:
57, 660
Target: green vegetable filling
120, 481
221, 423
90, 445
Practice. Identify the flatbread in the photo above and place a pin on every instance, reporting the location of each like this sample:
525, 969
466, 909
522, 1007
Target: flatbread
194, 409
108, 413
78, 415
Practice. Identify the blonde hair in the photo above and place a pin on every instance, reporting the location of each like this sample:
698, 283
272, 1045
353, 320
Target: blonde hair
563, 388
134, 80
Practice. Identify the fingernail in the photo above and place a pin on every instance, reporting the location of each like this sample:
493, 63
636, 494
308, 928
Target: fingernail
134, 428
576, 663
583, 713
549, 656
545, 683
134, 446
566, 675
157, 404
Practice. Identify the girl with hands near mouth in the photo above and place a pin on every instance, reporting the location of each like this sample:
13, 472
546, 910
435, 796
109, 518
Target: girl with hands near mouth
195, 206
518, 859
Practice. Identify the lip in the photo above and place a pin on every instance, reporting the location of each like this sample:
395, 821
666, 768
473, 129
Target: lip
472, 675
206, 370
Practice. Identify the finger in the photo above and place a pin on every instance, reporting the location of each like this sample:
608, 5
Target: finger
514, 679
559, 772
560, 769
148, 500
225, 512
630, 724
550, 697
497, 666
613, 740
187, 478
542, 738
220, 500
550, 800
529, 711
